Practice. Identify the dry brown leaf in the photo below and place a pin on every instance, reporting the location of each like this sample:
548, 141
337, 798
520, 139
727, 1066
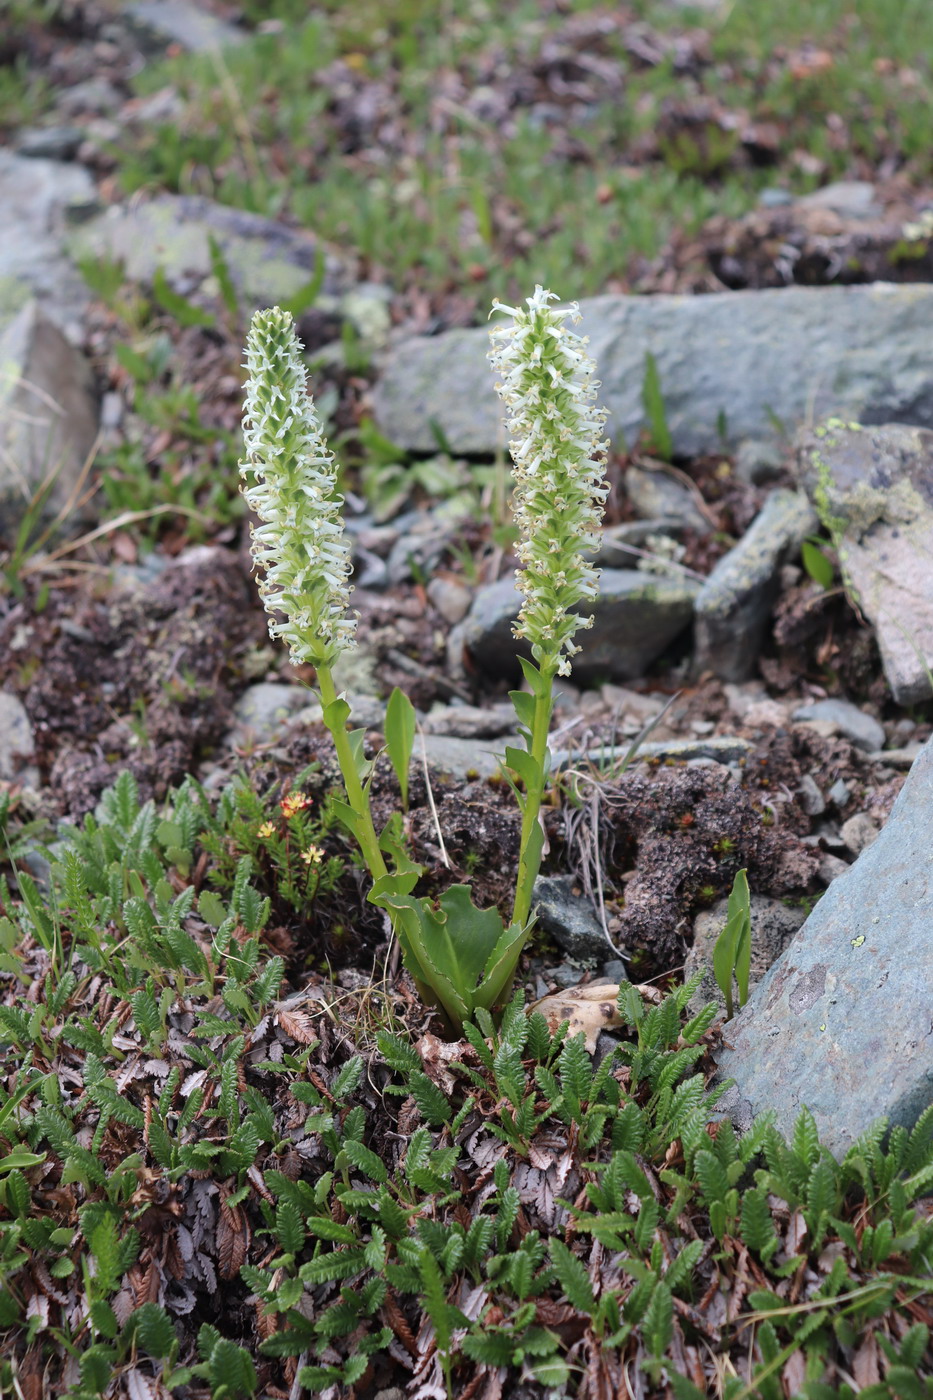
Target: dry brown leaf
796, 1233
297, 1024
394, 1318
233, 1237
589, 1009
794, 1373
865, 1366
436, 1055
141, 1387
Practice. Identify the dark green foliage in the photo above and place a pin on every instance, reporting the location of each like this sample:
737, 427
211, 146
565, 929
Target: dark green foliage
604, 1193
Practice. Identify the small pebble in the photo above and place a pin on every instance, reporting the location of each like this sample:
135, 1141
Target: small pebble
811, 799
830, 868
863, 730
859, 832
839, 793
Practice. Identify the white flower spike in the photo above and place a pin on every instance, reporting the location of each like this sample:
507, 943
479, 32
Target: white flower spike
559, 466
300, 547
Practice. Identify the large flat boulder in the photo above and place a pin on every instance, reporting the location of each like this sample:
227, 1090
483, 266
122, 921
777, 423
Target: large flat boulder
738, 364
842, 1022
874, 489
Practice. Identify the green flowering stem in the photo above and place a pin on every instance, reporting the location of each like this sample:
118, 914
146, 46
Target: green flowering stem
358, 817
531, 841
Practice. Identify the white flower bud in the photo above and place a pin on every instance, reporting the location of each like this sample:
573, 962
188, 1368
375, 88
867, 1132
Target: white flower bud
549, 394
300, 545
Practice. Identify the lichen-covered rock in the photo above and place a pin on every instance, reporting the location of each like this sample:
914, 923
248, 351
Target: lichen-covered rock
841, 1023
735, 602
873, 489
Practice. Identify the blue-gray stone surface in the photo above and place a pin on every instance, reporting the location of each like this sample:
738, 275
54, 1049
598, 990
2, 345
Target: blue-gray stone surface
731, 367
635, 616
735, 602
843, 1022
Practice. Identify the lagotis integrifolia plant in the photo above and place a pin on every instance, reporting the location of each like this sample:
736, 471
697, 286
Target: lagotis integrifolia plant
462, 958
559, 458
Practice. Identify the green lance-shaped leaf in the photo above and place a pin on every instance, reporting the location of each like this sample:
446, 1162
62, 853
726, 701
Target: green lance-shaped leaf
400, 737
733, 950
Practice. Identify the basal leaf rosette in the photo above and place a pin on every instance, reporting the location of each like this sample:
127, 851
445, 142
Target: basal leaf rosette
299, 546
559, 458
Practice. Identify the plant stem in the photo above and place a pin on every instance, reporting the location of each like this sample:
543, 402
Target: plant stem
365, 831
527, 865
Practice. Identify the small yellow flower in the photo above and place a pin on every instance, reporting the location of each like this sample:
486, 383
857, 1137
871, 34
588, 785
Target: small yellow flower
266, 830
294, 802
312, 856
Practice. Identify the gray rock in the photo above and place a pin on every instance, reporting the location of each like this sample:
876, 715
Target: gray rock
38, 198
268, 262
864, 731
794, 350
858, 832
451, 598
811, 799
853, 199
48, 415
831, 867
367, 712
658, 493
636, 617
96, 95
839, 792
569, 918
416, 552
265, 707
17, 744
758, 462
471, 722
876, 485
462, 758
623, 546
897, 758
841, 1023
716, 748
49, 142
164, 22
735, 602
615, 971
774, 924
